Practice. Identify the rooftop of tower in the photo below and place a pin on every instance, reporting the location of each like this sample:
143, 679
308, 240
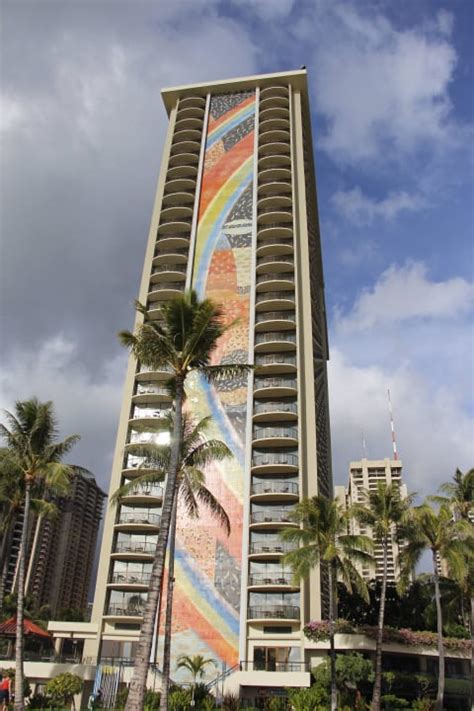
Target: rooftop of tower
298, 79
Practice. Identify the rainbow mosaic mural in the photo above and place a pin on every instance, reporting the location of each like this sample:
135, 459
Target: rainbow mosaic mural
208, 563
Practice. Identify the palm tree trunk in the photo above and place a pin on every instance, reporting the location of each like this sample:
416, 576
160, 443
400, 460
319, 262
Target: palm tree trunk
332, 647
472, 652
19, 646
4, 557
169, 612
377, 692
439, 620
136, 695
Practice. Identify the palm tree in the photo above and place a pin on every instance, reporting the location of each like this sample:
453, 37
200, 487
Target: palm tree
196, 453
323, 540
183, 341
196, 665
438, 532
31, 439
383, 510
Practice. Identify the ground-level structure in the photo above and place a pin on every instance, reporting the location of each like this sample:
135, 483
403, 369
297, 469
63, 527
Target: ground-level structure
270, 672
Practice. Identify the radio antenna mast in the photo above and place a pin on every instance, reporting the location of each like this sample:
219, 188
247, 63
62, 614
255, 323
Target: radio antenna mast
392, 427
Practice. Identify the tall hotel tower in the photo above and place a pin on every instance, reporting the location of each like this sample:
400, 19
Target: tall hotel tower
235, 218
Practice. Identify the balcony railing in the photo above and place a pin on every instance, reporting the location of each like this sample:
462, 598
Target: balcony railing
167, 219
171, 235
261, 459
271, 665
135, 547
263, 547
275, 487
270, 578
144, 388
264, 382
149, 519
145, 490
148, 412
264, 316
130, 578
284, 612
275, 296
166, 286
271, 516
275, 433
275, 336
275, 208
282, 259
262, 408
268, 181
126, 610
160, 369
276, 276
275, 359
179, 268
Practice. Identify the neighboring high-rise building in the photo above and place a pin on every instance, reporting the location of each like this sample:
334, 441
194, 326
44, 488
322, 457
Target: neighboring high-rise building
61, 550
364, 476
235, 218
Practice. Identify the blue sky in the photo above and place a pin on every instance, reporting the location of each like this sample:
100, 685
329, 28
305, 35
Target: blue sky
392, 108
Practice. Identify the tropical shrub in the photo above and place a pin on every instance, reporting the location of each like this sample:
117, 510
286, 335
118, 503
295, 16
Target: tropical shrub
179, 699
390, 702
64, 687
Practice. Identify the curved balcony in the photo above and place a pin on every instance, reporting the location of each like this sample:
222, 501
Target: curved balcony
164, 372
276, 150
275, 613
274, 203
274, 90
275, 321
272, 581
183, 159
272, 230
168, 272
273, 135
275, 363
274, 175
185, 148
274, 247
173, 240
275, 436
129, 581
165, 290
142, 519
275, 341
267, 162
272, 386
175, 224
274, 410
270, 518
134, 550
275, 263
143, 494
178, 185
126, 613
278, 300
150, 392
149, 415
275, 281
273, 101
274, 124
179, 198
191, 112
274, 213
274, 462
270, 549
274, 112
175, 213
186, 134
279, 186
192, 101
183, 124
174, 256
274, 491
181, 171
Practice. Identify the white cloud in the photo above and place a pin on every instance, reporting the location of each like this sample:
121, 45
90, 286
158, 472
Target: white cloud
83, 405
434, 431
267, 10
404, 293
362, 210
385, 92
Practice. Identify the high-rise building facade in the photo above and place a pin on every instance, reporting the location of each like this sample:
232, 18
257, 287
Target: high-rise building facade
235, 218
364, 476
61, 550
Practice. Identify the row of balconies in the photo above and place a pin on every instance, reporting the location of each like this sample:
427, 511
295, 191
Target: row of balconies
256, 613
